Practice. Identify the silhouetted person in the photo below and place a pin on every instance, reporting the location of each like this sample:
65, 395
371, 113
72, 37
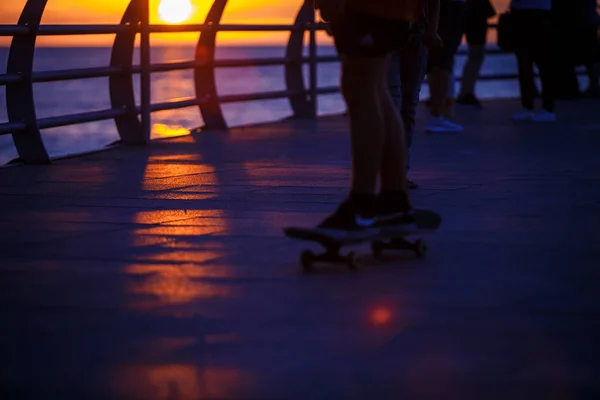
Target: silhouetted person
589, 44
476, 27
576, 23
365, 34
441, 65
534, 30
405, 78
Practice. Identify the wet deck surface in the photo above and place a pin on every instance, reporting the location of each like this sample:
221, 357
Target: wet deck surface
162, 273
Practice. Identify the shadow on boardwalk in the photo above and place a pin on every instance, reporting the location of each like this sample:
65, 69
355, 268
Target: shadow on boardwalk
161, 273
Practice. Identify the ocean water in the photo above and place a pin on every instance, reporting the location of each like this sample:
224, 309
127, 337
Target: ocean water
60, 98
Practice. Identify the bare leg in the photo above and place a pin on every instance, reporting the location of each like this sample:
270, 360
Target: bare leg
395, 85
393, 162
449, 102
361, 88
439, 84
472, 68
364, 43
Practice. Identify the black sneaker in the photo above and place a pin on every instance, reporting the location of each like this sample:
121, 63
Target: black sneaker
352, 220
394, 212
469, 100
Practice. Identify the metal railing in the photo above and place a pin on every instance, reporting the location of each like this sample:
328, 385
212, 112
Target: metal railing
133, 120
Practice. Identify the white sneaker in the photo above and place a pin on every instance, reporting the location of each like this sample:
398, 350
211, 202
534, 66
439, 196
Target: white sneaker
544, 116
441, 124
523, 115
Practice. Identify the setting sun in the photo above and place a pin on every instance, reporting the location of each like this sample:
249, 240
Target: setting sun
175, 11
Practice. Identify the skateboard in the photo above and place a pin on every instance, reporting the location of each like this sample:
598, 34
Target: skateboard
426, 222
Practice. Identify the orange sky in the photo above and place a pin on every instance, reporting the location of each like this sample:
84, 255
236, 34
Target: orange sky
110, 11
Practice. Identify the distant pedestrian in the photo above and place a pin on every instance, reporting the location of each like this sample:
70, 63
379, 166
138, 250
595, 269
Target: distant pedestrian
534, 30
588, 43
441, 65
476, 28
576, 23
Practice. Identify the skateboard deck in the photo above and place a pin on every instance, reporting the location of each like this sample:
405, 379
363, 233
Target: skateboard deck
427, 221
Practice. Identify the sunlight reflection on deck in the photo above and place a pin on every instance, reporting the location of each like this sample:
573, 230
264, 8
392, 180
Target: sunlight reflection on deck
160, 131
163, 216
178, 381
174, 284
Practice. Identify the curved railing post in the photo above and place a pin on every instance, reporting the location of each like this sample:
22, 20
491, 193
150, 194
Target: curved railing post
20, 102
303, 105
122, 94
204, 75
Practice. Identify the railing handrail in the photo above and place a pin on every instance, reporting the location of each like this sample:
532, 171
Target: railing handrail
20, 76
103, 29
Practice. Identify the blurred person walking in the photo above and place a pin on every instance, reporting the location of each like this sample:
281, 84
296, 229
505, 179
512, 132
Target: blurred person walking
476, 28
534, 28
441, 65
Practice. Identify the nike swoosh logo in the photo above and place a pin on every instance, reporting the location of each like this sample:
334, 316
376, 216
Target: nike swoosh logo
364, 222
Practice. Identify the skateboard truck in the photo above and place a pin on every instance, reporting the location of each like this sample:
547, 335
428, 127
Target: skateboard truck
332, 253
419, 246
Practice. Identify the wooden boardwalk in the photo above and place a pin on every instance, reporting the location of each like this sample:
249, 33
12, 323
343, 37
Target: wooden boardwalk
162, 273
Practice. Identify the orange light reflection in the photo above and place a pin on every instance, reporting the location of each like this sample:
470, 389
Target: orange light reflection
161, 131
381, 316
166, 285
179, 381
163, 216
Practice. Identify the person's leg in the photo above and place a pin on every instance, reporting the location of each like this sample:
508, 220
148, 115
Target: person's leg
394, 78
451, 95
526, 84
545, 59
439, 83
593, 89
394, 145
567, 46
396, 82
441, 64
373, 119
591, 50
523, 53
394, 206
476, 34
438, 75
476, 55
593, 71
361, 81
546, 66
412, 72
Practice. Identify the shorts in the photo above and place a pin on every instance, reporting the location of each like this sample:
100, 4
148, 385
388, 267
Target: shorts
363, 35
451, 29
476, 30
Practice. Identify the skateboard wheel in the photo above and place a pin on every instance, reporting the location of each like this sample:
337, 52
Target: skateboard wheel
421, 248
377, 249
352, 260
306, 259
401, 244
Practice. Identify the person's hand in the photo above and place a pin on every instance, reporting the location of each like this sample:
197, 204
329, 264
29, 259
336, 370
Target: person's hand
330, 9
433, 40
